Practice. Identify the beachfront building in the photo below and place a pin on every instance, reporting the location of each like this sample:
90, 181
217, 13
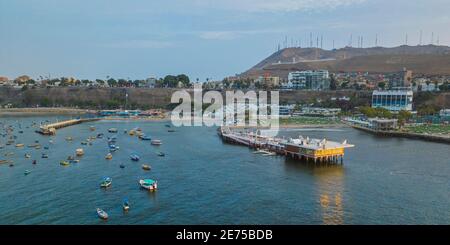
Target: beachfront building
381, 124
150, 82
269, 81
394, 100
313, 80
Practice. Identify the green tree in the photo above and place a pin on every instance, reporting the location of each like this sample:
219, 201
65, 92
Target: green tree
112, 82
382, 85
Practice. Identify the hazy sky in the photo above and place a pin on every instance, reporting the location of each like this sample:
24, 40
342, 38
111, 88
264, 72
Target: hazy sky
202, 38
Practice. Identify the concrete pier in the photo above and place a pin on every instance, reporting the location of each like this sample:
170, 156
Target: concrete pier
50, 129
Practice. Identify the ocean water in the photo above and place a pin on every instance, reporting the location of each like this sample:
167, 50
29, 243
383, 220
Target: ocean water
202, 180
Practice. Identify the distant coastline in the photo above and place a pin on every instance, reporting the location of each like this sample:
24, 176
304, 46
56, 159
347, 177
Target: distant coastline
43, 111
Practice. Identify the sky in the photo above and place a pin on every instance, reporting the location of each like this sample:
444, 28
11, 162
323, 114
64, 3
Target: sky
212, 39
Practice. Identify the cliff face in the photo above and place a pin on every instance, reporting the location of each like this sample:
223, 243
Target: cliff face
430, 59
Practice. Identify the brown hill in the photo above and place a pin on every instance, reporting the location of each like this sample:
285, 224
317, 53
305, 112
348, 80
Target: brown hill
430, 59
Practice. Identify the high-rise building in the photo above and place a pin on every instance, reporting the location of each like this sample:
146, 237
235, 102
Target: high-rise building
314, 80
400, 79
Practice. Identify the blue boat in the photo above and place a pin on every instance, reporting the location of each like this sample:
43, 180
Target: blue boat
126, 205
145, 137
134, 157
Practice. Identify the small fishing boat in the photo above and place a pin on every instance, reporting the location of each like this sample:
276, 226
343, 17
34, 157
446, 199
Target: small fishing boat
46, 147
100, 135
27, 172
161, 154
125, 131
84, 142
92, 128
156, 142
20, 132
145, 137
74, 161
69, 138
79, 152
122, 165
64, 163
171, 130
34, 162
27, 155
44, 155
108, 156
167, 125
125, 205
20, 145
70, 158
146, 167
112, 130
102, 214
132, 132
107, 181
148, 184
33, 145
37, 147
134, 157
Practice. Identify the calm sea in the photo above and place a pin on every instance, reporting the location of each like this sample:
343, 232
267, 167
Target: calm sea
202, 180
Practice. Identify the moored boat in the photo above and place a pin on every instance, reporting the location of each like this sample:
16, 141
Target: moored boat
20, 145
27, 155
156, 142
146, 167
122, 165
102, 214
92, 128
79, 152
64, 163
44, 155
148, 184
112, 130
126, 205
107, 181
161, 154
27, 172
34, 162
134, 157
145, 137
108, 156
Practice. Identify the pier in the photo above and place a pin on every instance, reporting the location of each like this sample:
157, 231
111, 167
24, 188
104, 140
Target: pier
50, 129
305, 149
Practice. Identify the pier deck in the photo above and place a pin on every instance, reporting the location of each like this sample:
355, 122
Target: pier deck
50, 129
317, 150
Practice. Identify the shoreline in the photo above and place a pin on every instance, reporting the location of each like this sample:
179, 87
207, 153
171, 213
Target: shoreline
43, 111
425, 137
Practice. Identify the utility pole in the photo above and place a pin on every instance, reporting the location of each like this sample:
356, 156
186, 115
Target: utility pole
420, 38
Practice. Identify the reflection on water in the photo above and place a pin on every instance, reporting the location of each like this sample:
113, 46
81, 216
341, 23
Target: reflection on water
330, 187
329, 179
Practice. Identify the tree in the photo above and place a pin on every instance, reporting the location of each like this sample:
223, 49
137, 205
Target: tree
170, 81
403, 116
112, 82
382, 85
333, 82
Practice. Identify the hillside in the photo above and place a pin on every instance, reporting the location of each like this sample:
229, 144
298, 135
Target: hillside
430, 59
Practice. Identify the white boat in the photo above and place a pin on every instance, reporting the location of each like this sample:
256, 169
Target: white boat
156, 142
112, 130
149, 184
79, 152
102, 214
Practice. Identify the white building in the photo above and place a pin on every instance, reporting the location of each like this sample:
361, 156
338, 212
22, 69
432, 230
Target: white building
314, 80
393, 100
444, 113
150, 82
